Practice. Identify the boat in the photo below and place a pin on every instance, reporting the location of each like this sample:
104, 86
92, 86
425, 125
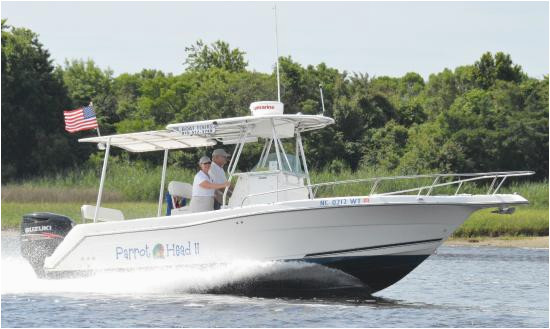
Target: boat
275, 213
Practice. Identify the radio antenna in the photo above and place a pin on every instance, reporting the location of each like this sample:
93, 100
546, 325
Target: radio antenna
277, 46
322, 100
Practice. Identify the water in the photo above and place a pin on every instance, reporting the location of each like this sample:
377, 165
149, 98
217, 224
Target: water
457, 287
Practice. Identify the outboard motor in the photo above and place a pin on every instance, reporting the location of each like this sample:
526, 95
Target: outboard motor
41, 233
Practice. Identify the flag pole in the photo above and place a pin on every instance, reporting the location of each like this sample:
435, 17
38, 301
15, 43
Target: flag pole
97, 129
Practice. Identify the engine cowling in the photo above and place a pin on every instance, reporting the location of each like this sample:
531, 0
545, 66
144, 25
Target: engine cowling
41, 233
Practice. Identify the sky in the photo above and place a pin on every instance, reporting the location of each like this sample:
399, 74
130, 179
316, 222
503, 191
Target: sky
377, 38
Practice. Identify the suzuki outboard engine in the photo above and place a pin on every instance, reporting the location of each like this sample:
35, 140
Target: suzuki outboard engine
41, 233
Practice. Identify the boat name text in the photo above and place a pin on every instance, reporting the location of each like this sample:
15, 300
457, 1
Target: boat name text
157, 251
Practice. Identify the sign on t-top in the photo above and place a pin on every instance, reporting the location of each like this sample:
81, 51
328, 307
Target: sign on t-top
191, 130
266, 108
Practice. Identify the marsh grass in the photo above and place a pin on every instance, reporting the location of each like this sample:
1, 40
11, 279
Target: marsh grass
20, 193
524, 222
134, 190
140, 182
12, 212
535, 192
123, 183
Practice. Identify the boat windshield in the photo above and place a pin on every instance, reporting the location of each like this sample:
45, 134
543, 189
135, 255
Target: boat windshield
272, 158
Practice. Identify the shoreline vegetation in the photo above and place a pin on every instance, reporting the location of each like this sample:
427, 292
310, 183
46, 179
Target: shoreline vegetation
134, 190
481, 116
486, 114
504, 242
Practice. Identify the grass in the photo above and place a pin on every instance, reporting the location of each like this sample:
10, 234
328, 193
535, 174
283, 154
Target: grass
137, 182
134, 190
535, 192
12, 212
140, 182
524, 222
56, 194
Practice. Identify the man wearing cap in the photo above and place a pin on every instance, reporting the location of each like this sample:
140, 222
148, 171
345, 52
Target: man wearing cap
202, 198
219, 159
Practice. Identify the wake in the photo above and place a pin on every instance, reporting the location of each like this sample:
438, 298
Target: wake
252, 278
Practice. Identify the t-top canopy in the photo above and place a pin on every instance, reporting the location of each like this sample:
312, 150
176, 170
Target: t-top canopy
209, 132
148, 141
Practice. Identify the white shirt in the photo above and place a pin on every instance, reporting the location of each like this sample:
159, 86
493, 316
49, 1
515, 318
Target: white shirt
217, 173
199, 191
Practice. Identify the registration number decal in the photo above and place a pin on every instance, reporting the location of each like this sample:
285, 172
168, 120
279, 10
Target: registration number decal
343, 202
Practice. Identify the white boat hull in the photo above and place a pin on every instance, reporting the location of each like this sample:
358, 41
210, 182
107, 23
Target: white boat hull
377, 240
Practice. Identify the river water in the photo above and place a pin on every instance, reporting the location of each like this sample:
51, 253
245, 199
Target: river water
456, 287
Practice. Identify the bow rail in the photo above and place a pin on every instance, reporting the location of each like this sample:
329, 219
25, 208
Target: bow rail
498, 179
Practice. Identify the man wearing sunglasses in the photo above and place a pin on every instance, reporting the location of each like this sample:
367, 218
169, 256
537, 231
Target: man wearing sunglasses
216, 172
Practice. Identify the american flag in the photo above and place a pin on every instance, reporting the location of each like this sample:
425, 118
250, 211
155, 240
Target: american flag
80, 119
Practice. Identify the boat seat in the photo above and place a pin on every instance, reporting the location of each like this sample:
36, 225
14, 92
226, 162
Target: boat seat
180, 194
183, 190
104, 214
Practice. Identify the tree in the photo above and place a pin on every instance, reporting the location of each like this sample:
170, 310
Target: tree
489, 69
484, 73
33, 138
498, 130
410, 85
88, 83
506, 70
409, 107
382, 102
464, 79
294, 85
219, 54
421, 154
481, 117
386, 146
439, 93
126, 89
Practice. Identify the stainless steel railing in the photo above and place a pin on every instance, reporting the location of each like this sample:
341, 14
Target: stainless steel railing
498, 179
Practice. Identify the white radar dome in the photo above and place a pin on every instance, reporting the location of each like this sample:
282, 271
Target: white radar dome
266, 108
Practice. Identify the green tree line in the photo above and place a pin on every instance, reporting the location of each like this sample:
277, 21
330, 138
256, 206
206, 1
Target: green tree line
487, 116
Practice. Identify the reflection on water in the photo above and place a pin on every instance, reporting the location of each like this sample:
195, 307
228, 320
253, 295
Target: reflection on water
457, 287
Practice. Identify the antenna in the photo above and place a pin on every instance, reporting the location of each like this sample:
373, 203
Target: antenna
322, 100
277, 46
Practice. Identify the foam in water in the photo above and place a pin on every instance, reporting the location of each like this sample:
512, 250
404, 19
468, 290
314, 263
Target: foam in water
19, 277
